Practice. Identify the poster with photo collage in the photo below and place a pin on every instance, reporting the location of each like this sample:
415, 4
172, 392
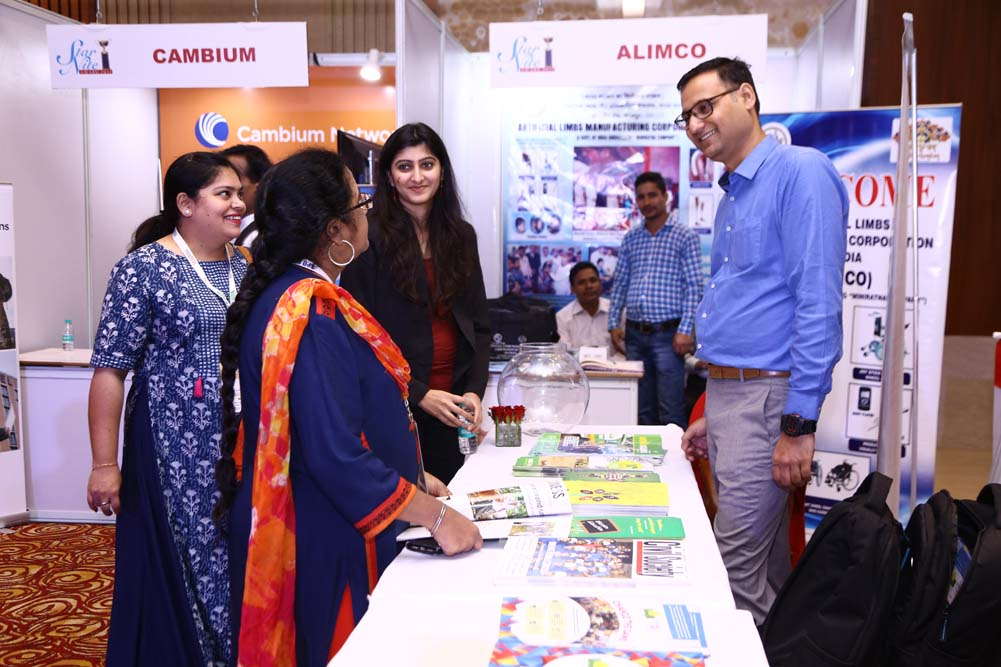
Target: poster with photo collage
570, 161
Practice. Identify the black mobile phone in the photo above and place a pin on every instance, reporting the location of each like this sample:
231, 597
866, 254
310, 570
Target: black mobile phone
425, 545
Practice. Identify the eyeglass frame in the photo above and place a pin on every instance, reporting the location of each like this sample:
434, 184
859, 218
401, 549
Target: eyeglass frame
366, 203
681, 122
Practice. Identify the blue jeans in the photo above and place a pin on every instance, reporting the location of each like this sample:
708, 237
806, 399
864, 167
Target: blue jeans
662, 387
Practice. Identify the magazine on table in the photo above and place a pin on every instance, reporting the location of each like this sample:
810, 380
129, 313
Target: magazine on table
558, 465
629, 527
500, 506
590, 498
599, 630
609, 444
611, 476
588, 561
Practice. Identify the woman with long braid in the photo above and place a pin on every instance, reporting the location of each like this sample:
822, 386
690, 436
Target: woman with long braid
323, 466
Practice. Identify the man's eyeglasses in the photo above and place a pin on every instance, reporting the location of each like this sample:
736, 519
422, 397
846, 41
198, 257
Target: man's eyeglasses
364, 204
701, 109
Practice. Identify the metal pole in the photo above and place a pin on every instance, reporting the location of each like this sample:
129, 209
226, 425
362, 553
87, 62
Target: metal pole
891, 400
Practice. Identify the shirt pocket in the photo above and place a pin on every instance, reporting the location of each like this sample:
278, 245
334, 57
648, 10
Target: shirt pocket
745, 249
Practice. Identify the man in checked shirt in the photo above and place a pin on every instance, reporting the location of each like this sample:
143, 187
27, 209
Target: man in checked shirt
658, 281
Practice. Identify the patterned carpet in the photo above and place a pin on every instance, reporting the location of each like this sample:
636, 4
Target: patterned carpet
56, 582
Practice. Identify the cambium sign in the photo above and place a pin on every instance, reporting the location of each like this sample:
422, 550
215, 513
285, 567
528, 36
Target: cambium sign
216, 55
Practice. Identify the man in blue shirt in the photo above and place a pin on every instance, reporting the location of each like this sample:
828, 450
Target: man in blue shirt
769, 324
658, 281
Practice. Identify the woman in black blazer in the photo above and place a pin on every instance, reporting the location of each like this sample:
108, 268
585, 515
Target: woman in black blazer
421, 279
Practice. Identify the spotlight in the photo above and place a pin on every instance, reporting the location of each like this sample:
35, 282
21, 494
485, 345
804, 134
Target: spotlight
371, 71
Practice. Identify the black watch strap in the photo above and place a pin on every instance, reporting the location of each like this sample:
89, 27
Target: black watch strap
795, 425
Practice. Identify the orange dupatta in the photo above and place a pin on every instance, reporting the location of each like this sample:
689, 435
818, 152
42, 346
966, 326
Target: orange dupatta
267, 626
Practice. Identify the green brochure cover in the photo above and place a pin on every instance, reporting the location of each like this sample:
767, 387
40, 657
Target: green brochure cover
628, 527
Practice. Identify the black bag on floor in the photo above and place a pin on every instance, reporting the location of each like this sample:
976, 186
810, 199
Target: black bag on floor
516, 319
948, 607
835, 607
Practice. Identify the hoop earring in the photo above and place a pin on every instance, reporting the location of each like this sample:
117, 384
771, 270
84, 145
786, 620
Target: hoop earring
350, 259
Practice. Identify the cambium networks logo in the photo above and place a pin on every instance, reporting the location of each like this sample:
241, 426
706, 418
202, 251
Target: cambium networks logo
211, 130
527, 55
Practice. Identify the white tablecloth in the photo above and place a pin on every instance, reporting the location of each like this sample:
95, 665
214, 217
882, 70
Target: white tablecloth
440, 612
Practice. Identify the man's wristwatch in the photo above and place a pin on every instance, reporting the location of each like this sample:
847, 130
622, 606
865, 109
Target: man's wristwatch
794, 425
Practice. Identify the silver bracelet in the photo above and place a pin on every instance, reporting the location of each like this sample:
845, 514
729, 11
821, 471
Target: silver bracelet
437, 522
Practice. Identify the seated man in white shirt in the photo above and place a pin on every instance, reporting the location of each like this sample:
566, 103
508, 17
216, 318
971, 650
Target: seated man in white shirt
584, 321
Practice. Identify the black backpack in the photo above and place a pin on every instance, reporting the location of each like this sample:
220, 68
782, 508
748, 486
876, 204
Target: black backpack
835, 606
930, 630
516, 319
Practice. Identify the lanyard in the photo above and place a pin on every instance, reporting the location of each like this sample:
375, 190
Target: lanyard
200, 272
315, 268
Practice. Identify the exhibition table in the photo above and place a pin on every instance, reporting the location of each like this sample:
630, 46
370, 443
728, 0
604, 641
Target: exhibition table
54, 388
439, 611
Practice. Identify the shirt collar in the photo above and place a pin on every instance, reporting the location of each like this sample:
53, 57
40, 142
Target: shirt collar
603, 306
750, 164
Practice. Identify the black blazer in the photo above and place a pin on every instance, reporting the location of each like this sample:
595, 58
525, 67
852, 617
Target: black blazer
369, 279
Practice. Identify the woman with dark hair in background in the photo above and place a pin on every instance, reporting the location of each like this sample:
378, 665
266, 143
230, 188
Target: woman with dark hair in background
313, 520
162, 316
422, 280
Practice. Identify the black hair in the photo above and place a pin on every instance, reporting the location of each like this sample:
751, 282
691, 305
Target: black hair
188, 174
258, 161
732, 71
582, 266
451, 256
297, 199
651, 177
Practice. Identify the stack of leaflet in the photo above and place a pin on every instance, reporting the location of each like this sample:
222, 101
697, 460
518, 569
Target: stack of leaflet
586, 467
575, 561
649, 447
596, 630
496, 509
589, 498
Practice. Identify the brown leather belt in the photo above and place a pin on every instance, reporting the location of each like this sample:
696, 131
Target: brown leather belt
731, 373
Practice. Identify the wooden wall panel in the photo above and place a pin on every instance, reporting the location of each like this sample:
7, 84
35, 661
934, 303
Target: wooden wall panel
959, 60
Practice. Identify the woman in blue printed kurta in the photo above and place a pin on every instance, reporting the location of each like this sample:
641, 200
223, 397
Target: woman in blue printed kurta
162, 316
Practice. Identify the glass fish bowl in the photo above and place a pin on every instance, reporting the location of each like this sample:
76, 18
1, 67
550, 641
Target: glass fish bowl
549, 382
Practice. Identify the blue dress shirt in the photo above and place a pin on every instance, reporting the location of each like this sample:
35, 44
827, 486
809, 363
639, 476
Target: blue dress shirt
658, 276
774, 297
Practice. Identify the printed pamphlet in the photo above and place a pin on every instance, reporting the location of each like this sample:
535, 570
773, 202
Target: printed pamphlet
608, 444
598, 631
629, 527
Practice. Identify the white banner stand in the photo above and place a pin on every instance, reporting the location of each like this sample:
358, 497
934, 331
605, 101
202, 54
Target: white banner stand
13, 499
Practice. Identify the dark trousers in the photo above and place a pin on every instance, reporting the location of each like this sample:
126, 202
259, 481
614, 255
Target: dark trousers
662, 387
439, 446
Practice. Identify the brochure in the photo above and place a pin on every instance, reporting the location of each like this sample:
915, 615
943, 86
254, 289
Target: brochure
598, 562
558, 465
527, 499
629, 527
590, 498
611, 476
609, 444
598, 631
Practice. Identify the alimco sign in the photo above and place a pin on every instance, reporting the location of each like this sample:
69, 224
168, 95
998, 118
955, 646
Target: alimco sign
194, 55
618, 52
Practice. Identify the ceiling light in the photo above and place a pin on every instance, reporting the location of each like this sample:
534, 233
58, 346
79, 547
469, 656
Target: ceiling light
371, 71
633, 8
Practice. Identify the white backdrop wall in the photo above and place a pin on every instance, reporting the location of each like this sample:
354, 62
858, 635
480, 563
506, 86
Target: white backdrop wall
122, 149
43, 157
419, 70
84, 173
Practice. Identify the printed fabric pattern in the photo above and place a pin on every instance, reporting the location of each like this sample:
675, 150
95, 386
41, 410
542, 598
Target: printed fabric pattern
160, 321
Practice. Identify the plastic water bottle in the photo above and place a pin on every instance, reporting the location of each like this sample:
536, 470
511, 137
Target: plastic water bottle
68, 345
467, 439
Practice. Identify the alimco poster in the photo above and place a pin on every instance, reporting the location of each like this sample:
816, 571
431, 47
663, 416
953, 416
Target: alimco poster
571, 158
862, 144
12, 490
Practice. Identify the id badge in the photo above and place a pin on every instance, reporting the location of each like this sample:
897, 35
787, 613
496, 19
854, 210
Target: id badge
237, 402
